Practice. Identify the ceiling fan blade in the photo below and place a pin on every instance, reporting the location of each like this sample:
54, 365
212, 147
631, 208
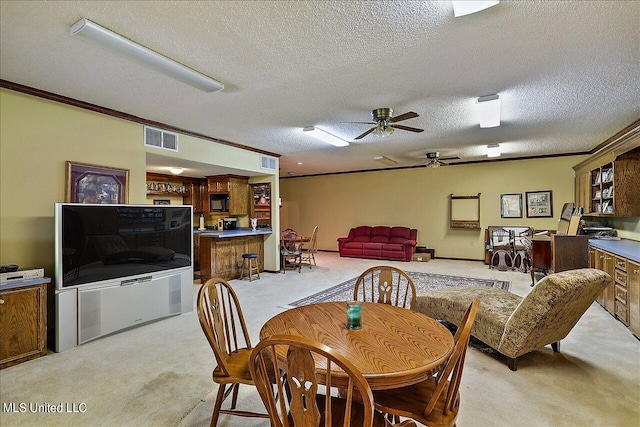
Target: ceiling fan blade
405, 116
366, 123
365, 134
407, 128
449, 158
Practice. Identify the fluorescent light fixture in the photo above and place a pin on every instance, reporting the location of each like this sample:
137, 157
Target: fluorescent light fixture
325, 136
385, 160
462, 8
489, 111
176, 171
493, 150
131, 50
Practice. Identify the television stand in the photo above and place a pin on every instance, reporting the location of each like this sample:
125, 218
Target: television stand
93, 311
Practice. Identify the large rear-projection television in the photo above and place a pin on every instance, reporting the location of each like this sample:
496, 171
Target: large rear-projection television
120, 266
99, 243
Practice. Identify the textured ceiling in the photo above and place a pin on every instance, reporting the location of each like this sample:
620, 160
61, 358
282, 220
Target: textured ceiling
567, 72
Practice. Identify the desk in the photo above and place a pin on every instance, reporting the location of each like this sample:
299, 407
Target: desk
558, 252
396, 347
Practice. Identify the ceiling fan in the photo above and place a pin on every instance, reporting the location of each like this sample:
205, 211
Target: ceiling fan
385, 123
434, 160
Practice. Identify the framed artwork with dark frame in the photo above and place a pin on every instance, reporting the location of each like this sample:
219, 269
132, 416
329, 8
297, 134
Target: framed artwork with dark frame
511, 205
539, 204
88, 183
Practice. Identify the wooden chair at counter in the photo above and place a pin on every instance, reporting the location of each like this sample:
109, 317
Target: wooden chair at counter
435, 401
385, 284
297, 401
223, 324
309, 251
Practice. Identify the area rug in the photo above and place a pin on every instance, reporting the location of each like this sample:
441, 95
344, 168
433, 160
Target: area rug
424, 282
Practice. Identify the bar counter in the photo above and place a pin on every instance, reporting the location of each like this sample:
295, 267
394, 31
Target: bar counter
221, 251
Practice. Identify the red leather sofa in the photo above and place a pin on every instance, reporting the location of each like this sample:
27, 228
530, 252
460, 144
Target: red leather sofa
380, 242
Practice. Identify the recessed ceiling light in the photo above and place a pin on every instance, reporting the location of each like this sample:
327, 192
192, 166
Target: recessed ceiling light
176, 171
300, 163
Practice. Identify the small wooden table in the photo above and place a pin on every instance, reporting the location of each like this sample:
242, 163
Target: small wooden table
396, 347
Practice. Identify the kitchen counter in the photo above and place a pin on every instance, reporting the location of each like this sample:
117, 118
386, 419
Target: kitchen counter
240, 232
625, 248
221, 251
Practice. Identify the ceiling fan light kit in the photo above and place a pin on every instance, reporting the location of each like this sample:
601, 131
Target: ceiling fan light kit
462, 8
489, 111
129, 49
493, 150
385, 123
325, 136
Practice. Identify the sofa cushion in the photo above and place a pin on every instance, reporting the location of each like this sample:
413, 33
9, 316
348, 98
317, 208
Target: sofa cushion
393, 247
399, 234
354, 245
380, 234
371, 245
361, 233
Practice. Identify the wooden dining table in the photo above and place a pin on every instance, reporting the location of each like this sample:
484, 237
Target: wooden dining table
396, 347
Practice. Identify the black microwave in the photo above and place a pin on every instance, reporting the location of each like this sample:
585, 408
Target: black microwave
219, 203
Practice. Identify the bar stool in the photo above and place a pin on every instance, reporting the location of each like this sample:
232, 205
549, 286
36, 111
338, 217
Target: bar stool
250, 262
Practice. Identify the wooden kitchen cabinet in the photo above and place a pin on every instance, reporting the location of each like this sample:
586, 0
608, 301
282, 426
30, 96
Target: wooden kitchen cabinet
633, 295
605, 261
195, 195
23, 324
606, 184
236, 187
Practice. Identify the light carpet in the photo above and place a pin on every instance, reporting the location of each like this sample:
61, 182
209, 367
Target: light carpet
424, 282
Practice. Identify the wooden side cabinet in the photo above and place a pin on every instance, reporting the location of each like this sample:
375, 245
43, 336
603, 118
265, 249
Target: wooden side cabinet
23, 324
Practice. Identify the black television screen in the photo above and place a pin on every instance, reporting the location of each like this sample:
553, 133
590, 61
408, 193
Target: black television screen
95, 243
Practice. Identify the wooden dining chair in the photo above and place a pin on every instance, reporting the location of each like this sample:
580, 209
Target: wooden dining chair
435, 401
290, 252
223, 324
385, 284
309, 251
304, 397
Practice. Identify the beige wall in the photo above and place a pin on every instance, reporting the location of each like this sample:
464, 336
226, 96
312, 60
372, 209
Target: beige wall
419, 198
38, 136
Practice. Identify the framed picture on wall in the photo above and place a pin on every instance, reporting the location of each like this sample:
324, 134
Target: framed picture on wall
161, 202
511, 205
88, 183
539, 204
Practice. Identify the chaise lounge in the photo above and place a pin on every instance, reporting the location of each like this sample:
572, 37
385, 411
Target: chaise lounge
380, 242
513, 325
